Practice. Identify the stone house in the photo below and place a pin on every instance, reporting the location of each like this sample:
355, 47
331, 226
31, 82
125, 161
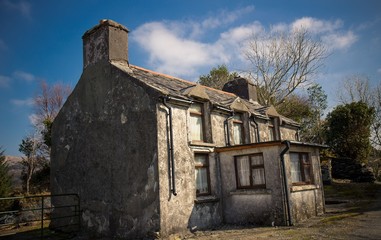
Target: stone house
151, 153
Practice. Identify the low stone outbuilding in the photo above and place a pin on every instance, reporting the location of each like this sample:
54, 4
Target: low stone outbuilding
151, 153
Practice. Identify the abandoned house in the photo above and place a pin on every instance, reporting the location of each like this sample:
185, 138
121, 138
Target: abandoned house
151, 153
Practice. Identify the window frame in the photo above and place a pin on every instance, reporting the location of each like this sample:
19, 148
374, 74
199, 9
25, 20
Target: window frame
252, 167
272, 129
200, 115
240, 123
302, 169
202, 166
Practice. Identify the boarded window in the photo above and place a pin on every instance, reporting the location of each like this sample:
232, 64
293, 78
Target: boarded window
202, 174
250, 171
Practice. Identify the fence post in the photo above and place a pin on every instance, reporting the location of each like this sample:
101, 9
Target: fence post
42, 217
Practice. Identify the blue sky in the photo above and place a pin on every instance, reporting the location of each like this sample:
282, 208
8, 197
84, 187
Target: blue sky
41, 40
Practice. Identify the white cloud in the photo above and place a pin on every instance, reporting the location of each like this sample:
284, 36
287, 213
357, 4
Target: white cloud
4, 81
330, 32
224, 18
316, 26
379, 70
171, 53
339, 41
241, 33
28, 77
185, 48
22, 102
23, 7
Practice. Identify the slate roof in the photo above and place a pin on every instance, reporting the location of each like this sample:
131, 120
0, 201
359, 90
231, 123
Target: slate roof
175, 87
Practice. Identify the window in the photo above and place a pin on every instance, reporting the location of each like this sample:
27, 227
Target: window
300, 168
238, 129
196, 122
202, 174
271, 130
250, 171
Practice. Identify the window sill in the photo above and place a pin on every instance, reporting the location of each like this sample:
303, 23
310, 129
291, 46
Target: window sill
203, 144
303, 188
206, 199
250, 191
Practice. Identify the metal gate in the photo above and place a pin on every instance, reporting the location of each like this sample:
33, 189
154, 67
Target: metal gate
40, 216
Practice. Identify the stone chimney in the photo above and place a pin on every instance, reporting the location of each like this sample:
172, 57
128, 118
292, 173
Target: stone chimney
242, 87
105, 42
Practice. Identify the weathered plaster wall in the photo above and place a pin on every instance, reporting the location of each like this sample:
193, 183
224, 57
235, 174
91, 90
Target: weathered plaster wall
306, 200
263, 130
217, 120
104, 149
181, 212
287, 133
259, 206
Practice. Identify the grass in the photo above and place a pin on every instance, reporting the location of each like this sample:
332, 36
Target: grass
352, 191
339, 217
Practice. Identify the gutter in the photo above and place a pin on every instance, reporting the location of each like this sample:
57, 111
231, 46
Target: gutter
288, 219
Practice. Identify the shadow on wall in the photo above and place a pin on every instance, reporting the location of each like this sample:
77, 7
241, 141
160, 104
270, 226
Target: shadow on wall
205, 215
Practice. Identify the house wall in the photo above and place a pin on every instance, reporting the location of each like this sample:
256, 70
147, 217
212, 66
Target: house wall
104, 149
306, 200
258, 206
288, 133
218, 128
184, 211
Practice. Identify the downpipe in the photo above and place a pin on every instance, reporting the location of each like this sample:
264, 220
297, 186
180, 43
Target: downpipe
171, 161
285, 184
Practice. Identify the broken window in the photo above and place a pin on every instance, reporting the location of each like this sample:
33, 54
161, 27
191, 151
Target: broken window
202, 174
250, 171
300, 168
196, 122
238, 135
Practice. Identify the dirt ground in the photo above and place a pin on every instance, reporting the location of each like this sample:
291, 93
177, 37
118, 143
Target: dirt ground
353, 211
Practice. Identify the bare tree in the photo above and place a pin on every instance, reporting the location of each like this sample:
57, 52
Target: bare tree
354, 88
47, 105
50, 100
281, 62
36, 146
357, 88
375, 102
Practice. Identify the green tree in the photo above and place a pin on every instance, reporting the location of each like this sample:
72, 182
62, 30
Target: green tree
29, 147
312, 127
5, 181
217, 77
295, 107
307, 110
348, 131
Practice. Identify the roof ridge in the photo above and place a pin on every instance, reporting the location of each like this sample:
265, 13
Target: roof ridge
182, 80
